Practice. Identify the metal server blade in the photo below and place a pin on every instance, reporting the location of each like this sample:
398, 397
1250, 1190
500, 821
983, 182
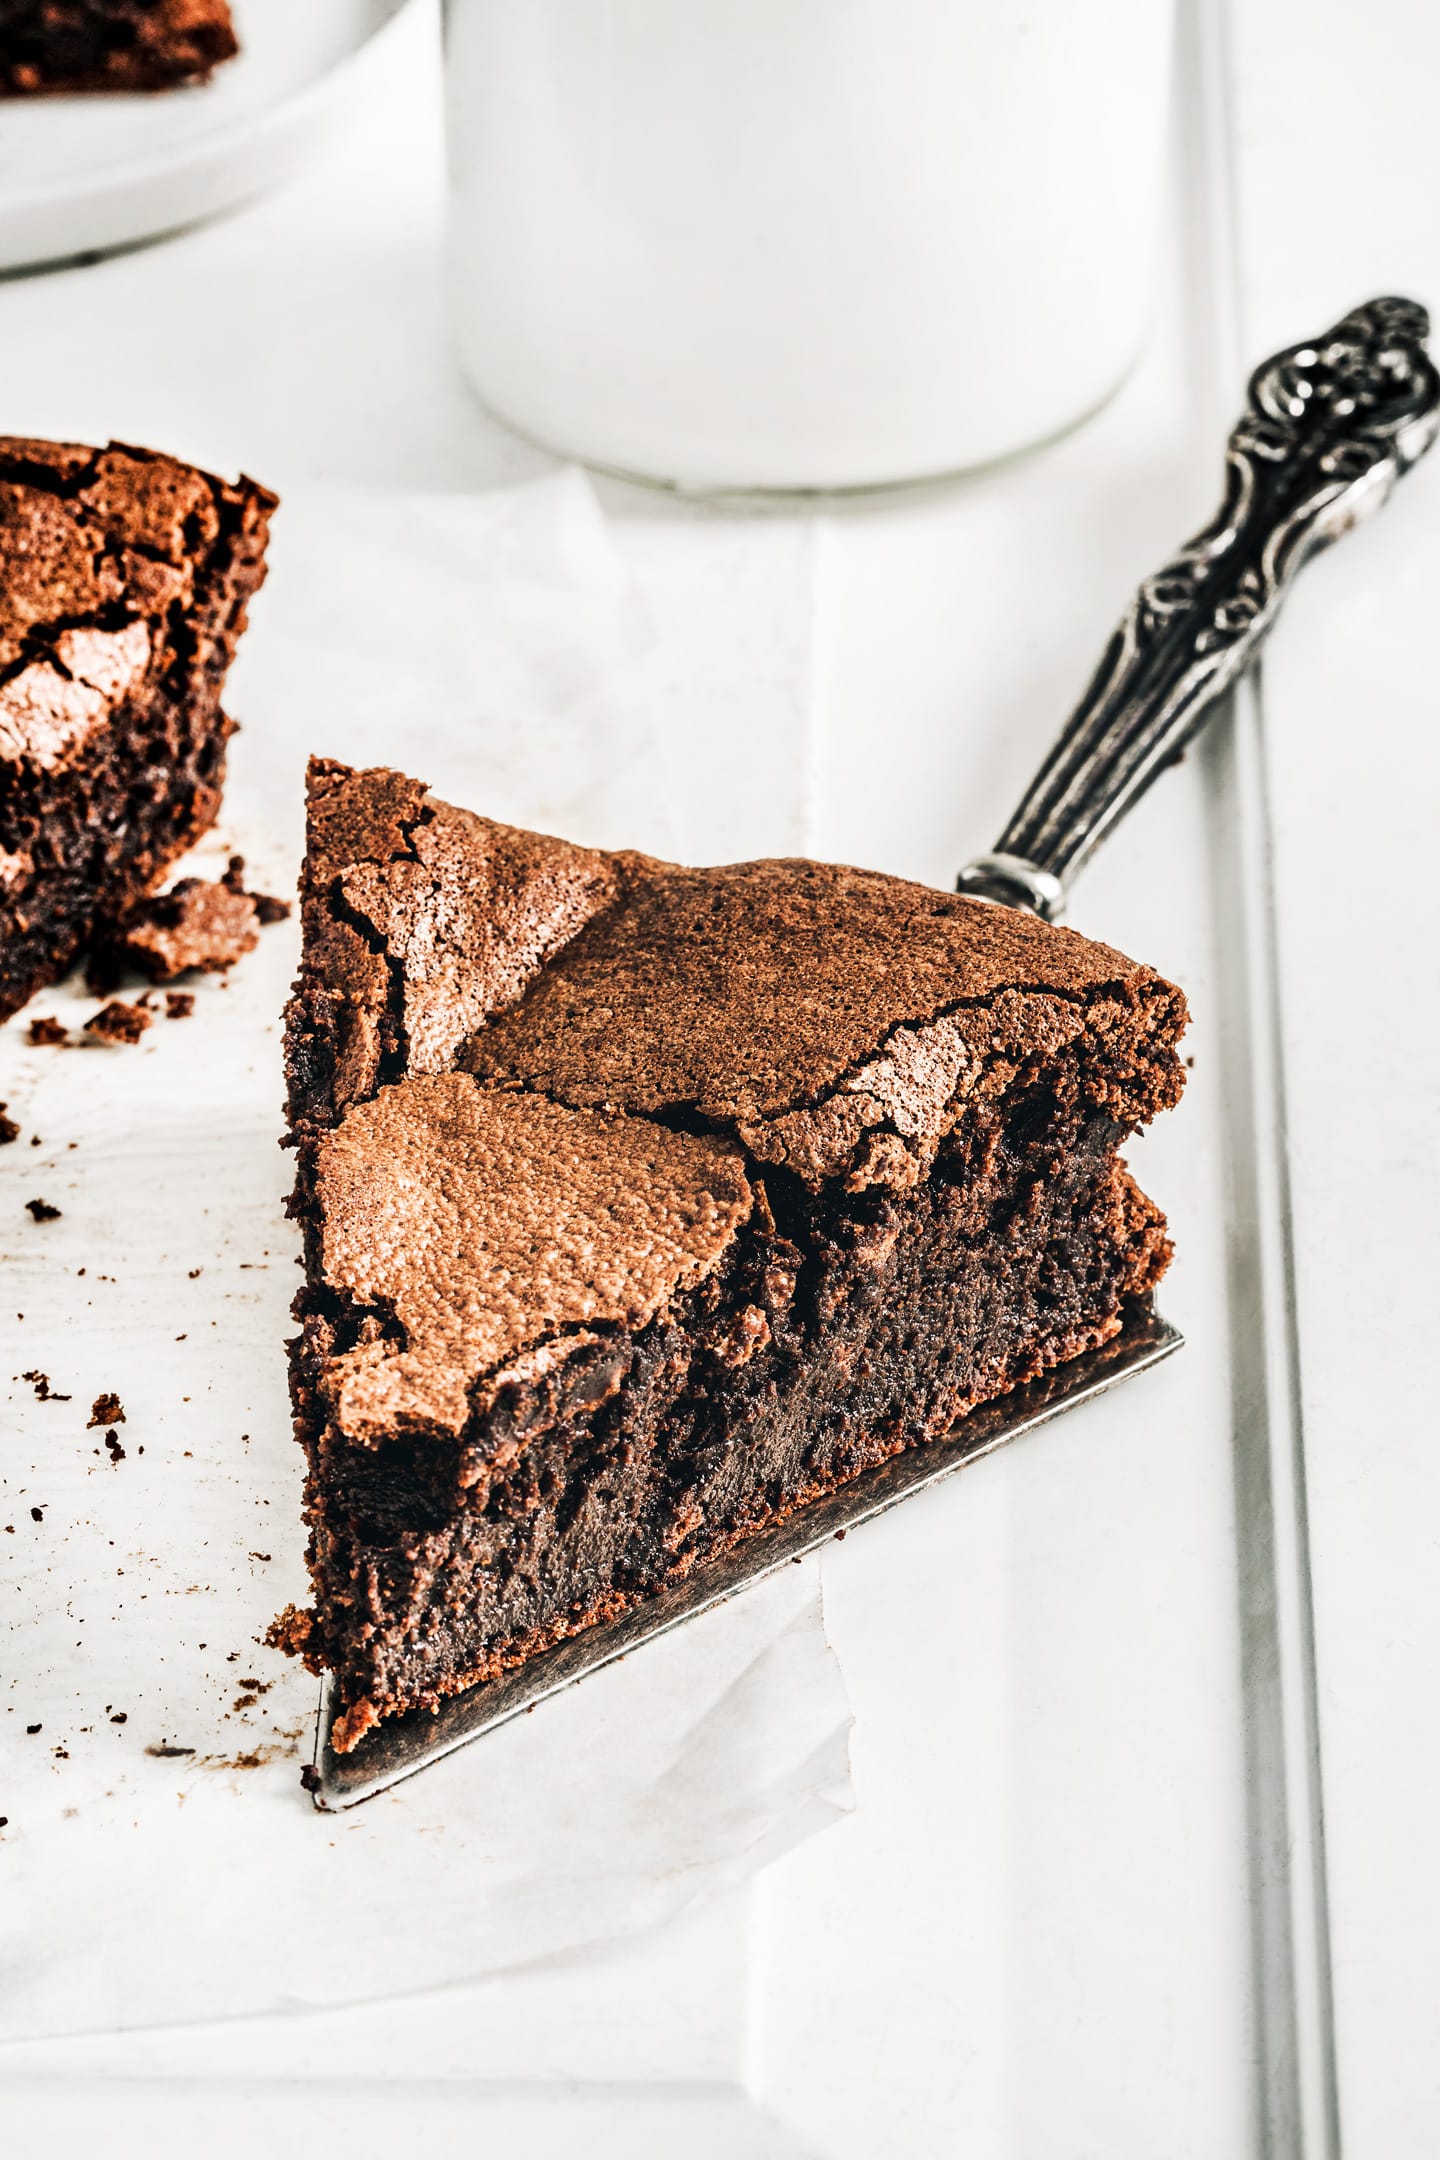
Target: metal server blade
403, 1745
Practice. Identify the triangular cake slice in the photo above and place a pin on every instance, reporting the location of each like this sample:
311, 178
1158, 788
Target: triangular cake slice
643, 1205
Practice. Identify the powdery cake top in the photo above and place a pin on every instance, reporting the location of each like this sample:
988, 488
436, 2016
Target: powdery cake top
96, 548
487, 1222
420, 920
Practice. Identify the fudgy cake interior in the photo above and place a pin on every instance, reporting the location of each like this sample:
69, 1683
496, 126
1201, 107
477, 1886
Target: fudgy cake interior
642, 1205
124, 579
65, 45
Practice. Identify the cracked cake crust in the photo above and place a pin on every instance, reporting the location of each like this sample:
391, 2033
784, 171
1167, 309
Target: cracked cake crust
644, 1204
487, 1223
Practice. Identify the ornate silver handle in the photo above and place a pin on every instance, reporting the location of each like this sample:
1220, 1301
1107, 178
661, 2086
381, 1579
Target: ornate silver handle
1328, 430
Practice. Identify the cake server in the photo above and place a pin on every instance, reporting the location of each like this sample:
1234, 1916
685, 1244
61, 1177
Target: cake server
1328, 428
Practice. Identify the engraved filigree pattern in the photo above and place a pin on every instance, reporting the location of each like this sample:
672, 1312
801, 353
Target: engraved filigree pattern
1328, 428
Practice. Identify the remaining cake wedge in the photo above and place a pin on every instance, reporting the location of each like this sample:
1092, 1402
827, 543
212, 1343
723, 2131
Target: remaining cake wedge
643, 1205
49, 46
124, 579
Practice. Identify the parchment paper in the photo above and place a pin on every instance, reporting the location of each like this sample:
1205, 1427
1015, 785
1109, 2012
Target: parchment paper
488, 644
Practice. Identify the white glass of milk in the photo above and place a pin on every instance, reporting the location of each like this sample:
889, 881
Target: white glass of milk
761, 245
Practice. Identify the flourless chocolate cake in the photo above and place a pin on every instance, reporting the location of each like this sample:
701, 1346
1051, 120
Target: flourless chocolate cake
49, 46
643, 1205
124, 579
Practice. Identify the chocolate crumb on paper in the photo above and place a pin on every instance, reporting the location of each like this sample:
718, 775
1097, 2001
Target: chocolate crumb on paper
43, 1211
267, 907
179, 1004
40, 1381
107, 1409
46, 1032
196, 926
9, 1130
118, 1022
199, 926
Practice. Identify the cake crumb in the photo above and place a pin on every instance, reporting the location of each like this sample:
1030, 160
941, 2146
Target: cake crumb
179, 1004
196, 925
9, 1130
47, 1032
267, 908
118, 1022
290, 1631
112, 1442
40, 1381
107, 1409
43, 1211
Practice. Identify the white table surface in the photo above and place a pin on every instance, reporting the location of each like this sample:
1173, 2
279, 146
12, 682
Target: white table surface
829, 2009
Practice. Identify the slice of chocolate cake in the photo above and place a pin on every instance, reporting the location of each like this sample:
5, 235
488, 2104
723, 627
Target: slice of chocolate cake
124, 578
643, 1205
64, 45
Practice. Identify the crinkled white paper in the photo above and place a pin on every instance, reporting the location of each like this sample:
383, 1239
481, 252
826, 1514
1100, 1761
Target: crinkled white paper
486, 644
